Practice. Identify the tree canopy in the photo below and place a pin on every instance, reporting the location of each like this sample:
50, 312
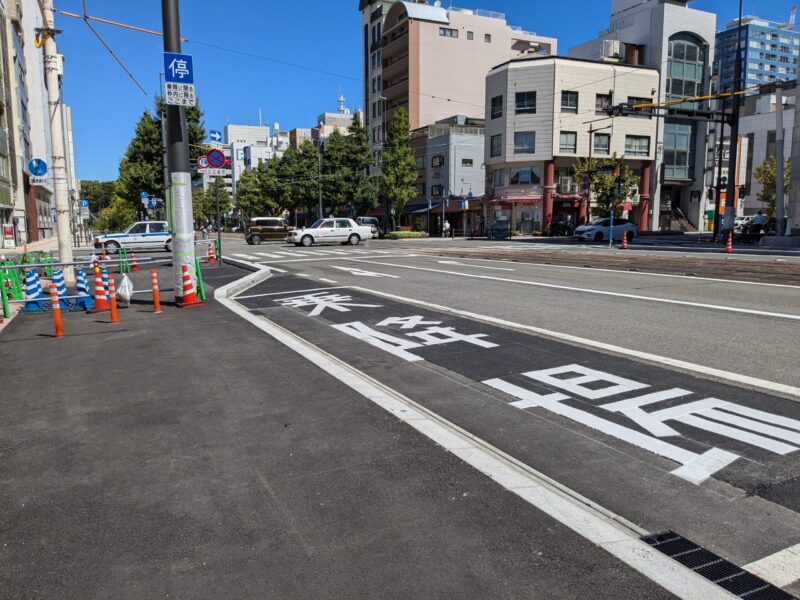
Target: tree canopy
765, 175
604, 183
399, 169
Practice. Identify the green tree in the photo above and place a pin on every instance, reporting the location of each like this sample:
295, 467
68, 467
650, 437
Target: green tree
218, 187
249, 195
116, 216
98, 193
604, 184
273, 191
765, 175
296, 178
140, 170
337, 180
362, 188
199, 205
399, 169
194, 126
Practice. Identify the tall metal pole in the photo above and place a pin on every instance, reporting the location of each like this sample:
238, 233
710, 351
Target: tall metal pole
51, 64
733, 155
180, 193
319, 177
718, 199
219, 222
779, 184
164, 159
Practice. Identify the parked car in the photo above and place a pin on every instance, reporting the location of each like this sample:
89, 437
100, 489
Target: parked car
327, 231
149, 235
739, 223
374, 223
266, 228
598, 230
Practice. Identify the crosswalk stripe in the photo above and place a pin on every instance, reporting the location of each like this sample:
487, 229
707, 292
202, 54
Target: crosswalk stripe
267, 255
245, 256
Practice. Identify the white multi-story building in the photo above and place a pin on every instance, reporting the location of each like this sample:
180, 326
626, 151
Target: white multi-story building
263, 142
679, 42
544, 112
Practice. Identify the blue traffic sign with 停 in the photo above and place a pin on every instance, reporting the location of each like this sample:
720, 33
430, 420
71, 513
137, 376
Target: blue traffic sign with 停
178, 68
37, 167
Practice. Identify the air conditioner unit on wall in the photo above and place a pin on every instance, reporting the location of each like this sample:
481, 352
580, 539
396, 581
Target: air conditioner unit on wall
611, 49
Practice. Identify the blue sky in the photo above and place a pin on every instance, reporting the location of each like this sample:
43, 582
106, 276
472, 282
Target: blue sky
233, 84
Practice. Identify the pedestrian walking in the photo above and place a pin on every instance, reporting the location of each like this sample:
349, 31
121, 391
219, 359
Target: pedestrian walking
446, 229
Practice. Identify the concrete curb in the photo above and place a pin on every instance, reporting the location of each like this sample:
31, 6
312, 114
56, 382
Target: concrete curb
260, 273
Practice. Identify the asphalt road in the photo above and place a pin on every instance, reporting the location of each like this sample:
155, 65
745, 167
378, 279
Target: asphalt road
684, 412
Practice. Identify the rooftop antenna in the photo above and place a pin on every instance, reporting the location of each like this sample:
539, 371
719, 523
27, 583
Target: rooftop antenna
259, 117
341, 104
792, 17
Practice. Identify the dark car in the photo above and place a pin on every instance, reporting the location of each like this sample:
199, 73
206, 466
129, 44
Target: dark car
266, 228
372, 222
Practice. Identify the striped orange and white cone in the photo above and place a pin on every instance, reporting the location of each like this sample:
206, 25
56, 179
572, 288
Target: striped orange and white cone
56, 310
100, 298
156, 295
624, 245
189, 294
134, 264
729, 245
211, 258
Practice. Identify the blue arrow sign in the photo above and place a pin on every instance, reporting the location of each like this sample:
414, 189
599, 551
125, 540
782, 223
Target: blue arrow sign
178, 68
144, 195
214, 135
37, 167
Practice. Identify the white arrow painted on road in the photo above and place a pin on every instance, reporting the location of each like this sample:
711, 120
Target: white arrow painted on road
362, 273
453, 262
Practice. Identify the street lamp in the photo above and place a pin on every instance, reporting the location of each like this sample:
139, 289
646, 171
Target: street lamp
383, 100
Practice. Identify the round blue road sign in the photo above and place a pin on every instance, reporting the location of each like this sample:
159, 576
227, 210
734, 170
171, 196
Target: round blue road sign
216, 159
37, 167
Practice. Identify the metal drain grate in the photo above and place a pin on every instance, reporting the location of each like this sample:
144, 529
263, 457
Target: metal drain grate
722, 572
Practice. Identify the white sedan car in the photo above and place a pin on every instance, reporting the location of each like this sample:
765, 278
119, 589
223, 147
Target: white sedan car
329, 231
599, 229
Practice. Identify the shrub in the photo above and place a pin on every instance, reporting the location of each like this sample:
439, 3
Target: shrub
404, 235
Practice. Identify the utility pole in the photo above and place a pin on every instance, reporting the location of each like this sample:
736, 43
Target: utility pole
51, 65
319, 177
180, 193
794, 189
780, 227
164, 159
718, 198
733, 155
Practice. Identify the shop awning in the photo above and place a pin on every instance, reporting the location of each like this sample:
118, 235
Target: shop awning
518, 199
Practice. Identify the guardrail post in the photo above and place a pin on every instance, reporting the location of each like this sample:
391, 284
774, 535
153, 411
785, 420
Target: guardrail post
201, 288
6, 309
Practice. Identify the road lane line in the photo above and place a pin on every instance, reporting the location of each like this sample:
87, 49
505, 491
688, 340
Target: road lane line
611, 532
326, 280
746, 311
341, 257
460, 264
303, 291
647, 273
363, 273
780, 569
737, 379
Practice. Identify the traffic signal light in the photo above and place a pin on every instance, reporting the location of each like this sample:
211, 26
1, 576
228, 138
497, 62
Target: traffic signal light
711, 193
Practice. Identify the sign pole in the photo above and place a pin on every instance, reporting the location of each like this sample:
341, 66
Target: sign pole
178, 160
219, 222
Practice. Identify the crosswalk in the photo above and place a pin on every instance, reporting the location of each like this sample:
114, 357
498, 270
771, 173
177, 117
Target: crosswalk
311, 254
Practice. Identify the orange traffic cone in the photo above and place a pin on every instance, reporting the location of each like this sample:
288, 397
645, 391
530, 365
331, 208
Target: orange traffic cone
729, 245
624, 245
189, 295
134, 265
112, 293
56, 311
100, 298
156, 296
212, 260
105, 254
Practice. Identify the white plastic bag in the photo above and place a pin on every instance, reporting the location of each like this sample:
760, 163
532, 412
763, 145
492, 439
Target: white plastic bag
125, 289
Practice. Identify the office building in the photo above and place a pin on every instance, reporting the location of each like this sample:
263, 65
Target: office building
433, 61
538, 119
328, 122
678, 41
297, 136
770, 53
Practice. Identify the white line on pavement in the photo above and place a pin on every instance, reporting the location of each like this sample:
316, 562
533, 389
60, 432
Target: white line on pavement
363, 273
342, 256
646, 357
303, 291
460, 264
747, 311
326, 280
780, 569
589, 520
647, 273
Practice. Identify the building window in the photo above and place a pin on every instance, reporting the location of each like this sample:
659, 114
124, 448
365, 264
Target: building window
646, 112
568, 141
437, 161
466, 162
679, 140
637, 145
470, 35
437, 190
419, 161
569, 102
498, 177
421, 189
487, 38
685, 67
602, 102
524, 176
524, 142
497, 107
526, 103
496, 146
446, 32
602, 143
374, 110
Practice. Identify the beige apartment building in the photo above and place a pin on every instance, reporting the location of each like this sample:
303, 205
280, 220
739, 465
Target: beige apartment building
539, 111
434, 60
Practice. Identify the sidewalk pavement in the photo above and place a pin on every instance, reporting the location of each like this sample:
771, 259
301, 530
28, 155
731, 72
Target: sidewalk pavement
188, 455
47, 245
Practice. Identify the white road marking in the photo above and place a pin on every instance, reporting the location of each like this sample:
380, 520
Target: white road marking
245, 256
460, 264
647, 273
737, 379
267, 255
363, 273
326, 280
340, 257
589, 520
746, 311
303, 291
780, 569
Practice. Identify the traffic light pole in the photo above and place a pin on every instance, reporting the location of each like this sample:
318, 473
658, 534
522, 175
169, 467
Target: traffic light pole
733, 154
180, 193
718, 198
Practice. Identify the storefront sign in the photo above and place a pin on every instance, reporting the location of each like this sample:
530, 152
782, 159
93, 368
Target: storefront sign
8, 235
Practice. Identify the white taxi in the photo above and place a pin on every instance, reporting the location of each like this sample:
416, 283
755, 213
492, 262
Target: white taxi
152, 235
329, 231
